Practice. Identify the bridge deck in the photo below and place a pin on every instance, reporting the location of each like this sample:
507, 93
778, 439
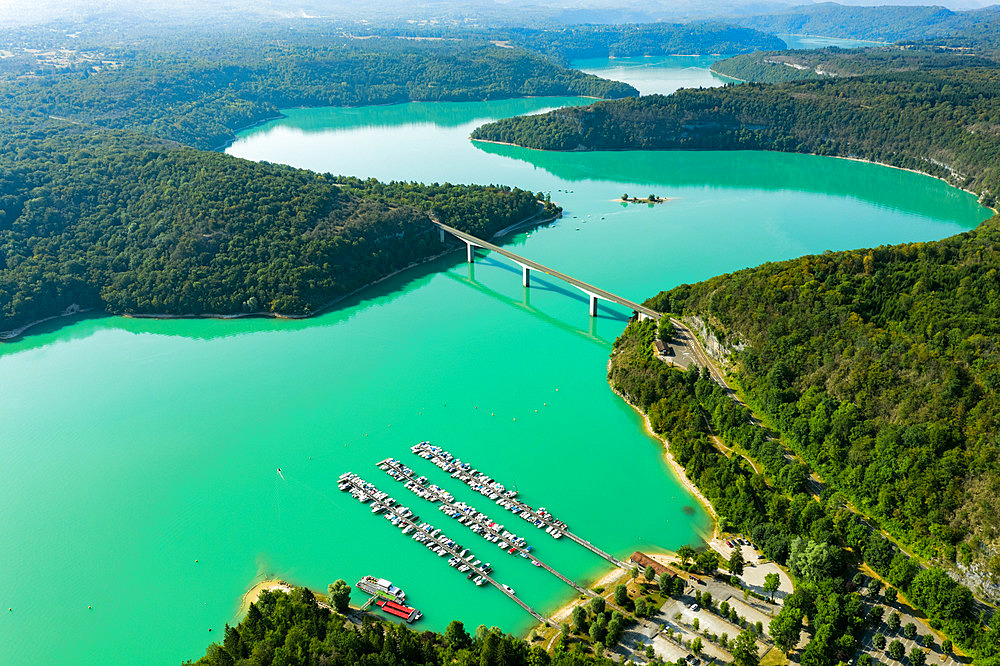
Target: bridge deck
534, 265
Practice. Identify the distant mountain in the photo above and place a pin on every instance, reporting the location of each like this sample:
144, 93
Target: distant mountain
886, 23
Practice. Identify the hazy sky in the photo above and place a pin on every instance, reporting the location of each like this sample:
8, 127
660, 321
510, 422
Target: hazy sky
33, 11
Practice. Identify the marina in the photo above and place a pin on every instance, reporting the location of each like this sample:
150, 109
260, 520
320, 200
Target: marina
478, 522
496, 491
431, 537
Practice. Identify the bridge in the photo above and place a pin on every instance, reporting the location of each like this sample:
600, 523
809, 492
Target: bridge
528, 265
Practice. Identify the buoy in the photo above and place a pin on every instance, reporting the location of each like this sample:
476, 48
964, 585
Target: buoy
196, 561
210, 629
90, 608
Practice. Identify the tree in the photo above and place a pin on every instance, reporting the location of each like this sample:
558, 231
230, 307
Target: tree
708, 562
666, 584
621, 595
910, 630
895, 649
706, 600
894, 621
339, 593
736, 562
625, 197
579, 619
598, 632
456, 636
875, 616
928, 641
686, 553
785, 628
772, 582
917, 657
679, 586
744, 650
649, 573
878, 640
696, 645
890, 595
597, 605
634, 572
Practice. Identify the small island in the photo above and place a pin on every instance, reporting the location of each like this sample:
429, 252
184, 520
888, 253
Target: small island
651, 199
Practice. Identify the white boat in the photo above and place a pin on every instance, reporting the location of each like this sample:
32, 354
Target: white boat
509, 589
380, 587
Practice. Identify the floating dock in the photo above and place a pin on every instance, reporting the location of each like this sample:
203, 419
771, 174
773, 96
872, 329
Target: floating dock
404, 518
496, 491
478, 522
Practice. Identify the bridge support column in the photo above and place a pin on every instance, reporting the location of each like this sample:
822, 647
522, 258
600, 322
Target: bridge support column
593, 305
470, 252
441, 234
525, 276
643, 316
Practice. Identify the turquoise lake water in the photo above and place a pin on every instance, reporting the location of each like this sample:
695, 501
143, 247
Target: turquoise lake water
141, 455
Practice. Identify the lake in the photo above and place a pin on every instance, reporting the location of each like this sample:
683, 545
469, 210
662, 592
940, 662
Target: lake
141, 494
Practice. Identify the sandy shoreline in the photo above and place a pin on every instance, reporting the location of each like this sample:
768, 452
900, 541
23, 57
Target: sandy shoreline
251, 595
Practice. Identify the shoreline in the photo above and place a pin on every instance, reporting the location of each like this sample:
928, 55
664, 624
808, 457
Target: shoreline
253, 594
723, 150
16, 334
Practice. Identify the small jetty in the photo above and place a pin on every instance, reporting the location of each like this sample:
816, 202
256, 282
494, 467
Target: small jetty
432, 538
494, 490
478, 522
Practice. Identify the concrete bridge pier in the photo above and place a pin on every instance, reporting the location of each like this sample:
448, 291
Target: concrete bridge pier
525, 276
441, 234
470, 252
593, 305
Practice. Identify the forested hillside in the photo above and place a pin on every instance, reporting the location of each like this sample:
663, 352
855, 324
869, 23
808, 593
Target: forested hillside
292, 629
781, 66
648, 39
884, 23
129, 224
202, 97
940, 122
882, 369
820, 540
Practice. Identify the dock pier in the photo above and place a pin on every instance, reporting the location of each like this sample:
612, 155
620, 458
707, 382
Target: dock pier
467, 474
435, 496
360, 485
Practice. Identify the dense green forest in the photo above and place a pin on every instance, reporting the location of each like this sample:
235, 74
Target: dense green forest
293, 630
200, 95
883, 23
649, 39
117, 221
781, 66
881, 369
941, 122
822, 541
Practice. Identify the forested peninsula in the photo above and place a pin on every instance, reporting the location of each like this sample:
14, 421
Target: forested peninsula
107, 203
935, 121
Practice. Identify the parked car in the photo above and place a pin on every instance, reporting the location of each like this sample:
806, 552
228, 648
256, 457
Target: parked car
693, 607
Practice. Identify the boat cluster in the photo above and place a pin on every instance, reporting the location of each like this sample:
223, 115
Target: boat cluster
482, 525
466, 564
417, 484
489, 488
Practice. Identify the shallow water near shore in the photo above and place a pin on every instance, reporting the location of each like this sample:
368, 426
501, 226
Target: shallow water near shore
141, 455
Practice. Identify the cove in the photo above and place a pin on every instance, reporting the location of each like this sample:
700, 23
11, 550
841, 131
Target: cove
141, 455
